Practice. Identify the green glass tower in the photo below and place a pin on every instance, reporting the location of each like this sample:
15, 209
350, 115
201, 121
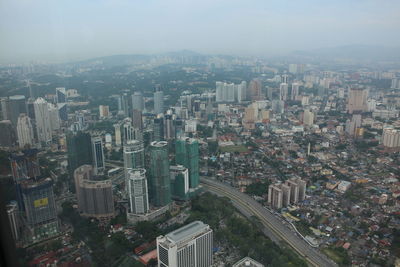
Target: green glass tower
187, 154
79, 150
159, 182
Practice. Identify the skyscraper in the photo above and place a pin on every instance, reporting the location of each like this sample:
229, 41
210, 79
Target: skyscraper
42, 117
190, 245
137, 101
187, 154
98, 155
137, 119
308, 117
17, 106
295, 91
133, 157
123, 105
95, 198
275, 196
158, 129
179, 182
158, 102
138, 191
61, 95
255, 89
104, 111
7, 134
79, 150
54, 117
169, 127
159, 182
357, 101
25, 131
40, 208
283, 91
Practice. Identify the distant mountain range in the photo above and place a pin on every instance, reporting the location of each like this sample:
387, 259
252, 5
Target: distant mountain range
352, 52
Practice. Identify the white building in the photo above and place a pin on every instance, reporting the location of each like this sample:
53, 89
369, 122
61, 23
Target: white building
283, 91
391, 137
308, 117
98, 155
42, 117
138, 191
54, 117
190, 126
158, 102
25, 131
295, 90
190, 245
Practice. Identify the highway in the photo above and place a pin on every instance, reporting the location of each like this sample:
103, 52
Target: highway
276, 227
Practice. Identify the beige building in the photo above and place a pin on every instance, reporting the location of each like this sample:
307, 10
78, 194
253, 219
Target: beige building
357, 101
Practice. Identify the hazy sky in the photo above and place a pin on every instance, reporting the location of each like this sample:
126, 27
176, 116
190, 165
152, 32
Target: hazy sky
62, 30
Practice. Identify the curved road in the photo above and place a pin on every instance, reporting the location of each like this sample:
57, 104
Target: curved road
313, 256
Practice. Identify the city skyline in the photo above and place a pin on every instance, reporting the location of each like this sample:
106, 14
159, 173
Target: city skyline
65, 31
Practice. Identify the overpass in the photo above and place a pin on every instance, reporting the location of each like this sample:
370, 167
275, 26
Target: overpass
279, 231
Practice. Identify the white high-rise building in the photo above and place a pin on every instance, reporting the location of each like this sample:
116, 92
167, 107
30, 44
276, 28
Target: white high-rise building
138, 191
158, 102
295, 91
118, 136
241, 91
230, 92
391, 138
190, 245
308, 117
104, 111
283, 91
25, 131
133, 157
42, 117
137, 101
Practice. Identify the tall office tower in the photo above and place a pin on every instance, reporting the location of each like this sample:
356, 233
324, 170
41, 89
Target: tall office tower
278, 106
283, 92
80, 119
275, 197
179, 182
133, 158
391, 138
138, 191
158, 129
54, 117
179, 128
137, 119
295, 91
241, 92
285, 78
17, 106
118, 135
127, 130
169, 127
395, 83
255, 89
123, 105
158, 102
7, 134
14, 220
353, 124
5, 110
104, 111
302, 188
95, 197
40, 208
308, 117
190, 245
42, 117
357, 101
187, 154
219, 88
137, 101
159, 182
61, 95
270, 92
98, 155
25, 131
62, 111
79, 150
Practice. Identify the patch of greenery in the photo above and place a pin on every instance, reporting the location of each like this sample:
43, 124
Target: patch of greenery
257, 189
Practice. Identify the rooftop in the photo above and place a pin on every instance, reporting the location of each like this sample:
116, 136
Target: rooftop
187, 231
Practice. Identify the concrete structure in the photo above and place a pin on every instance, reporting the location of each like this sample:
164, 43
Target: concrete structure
16, 106
133, 154
25, 132
308, 117
7, 134
187, 154
14, 220
137, 101
104, 111
95, 198
391, 138
138, 191
190, 245
54, 117
275, 197
357, 101
179, 182
42, 118
295, 91
283, 91
247, 262
79, 150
